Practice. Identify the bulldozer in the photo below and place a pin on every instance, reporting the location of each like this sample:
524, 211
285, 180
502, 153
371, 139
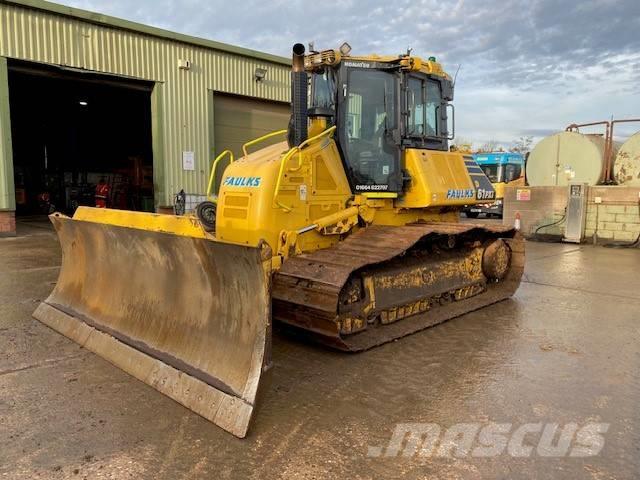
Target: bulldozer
346, 232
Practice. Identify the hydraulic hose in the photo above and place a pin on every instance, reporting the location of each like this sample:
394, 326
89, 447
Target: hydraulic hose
539, 237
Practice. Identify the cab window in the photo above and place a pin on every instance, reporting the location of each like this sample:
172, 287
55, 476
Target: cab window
423, 99
512, 172
322, 88
493, 172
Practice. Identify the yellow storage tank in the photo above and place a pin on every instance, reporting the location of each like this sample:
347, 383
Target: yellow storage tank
626, 168
567, 157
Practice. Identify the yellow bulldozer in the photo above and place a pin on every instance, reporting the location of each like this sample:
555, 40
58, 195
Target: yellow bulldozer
346, 232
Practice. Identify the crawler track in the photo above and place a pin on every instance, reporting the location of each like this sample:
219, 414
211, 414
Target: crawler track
309, 291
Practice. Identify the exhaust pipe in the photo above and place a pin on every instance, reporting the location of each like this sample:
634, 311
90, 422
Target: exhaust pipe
298, 132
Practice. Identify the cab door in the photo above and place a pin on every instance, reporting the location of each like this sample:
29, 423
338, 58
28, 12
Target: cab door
369, 115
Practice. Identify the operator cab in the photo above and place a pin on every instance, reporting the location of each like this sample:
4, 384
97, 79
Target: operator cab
500, 167
381, 108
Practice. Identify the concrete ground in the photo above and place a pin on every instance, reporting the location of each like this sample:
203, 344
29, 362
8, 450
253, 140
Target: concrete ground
565, 350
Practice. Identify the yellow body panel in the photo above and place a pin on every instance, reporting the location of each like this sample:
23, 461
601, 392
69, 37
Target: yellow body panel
434, 175
314, 186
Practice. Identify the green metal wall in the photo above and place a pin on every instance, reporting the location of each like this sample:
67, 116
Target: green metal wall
7, 190
42, 32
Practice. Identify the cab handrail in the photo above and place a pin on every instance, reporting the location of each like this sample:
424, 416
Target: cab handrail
261, 139
212, 175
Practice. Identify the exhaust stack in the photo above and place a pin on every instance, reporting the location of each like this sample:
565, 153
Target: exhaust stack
298, 124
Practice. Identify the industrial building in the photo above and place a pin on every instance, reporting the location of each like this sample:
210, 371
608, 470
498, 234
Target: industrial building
87, 99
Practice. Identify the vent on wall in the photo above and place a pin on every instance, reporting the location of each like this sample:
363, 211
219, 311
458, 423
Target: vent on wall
236, 206
236, 201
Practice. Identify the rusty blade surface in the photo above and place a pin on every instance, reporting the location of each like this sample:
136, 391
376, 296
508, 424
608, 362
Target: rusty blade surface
188, 316
306, 290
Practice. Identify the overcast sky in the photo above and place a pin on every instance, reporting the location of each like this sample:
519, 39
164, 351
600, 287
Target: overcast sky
529, 67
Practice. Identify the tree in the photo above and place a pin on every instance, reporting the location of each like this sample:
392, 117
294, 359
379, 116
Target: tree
462, 144
522, 145
489, 146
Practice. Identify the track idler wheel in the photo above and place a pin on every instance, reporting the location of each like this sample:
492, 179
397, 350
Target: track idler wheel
496, 260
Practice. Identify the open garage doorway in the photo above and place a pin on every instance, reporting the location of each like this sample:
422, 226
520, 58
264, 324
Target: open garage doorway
79, 139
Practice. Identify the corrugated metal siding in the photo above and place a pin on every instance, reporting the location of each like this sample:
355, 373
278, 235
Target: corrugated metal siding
7, 190
40, 36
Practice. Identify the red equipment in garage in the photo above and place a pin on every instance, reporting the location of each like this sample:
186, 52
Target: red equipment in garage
102, 193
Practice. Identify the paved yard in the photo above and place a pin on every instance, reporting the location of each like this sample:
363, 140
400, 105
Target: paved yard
565, 350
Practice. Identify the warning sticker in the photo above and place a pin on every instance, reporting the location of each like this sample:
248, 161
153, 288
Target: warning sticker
523, 194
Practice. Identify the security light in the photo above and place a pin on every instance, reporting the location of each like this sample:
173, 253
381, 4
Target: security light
345, 48
259, 74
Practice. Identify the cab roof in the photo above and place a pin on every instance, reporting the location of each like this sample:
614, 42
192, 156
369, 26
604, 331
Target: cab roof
429, 66
332, 58
498, 158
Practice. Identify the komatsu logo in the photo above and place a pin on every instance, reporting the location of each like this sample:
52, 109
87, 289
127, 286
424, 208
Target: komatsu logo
357, 64
460, 193
242, 181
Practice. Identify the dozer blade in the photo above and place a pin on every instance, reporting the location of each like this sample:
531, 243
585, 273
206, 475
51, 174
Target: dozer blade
185, 314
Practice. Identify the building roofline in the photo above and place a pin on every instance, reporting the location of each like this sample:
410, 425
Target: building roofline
119, 23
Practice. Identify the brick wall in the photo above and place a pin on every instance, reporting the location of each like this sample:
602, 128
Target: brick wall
617, 217
7, 223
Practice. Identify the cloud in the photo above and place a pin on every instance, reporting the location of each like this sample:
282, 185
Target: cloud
527, 65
